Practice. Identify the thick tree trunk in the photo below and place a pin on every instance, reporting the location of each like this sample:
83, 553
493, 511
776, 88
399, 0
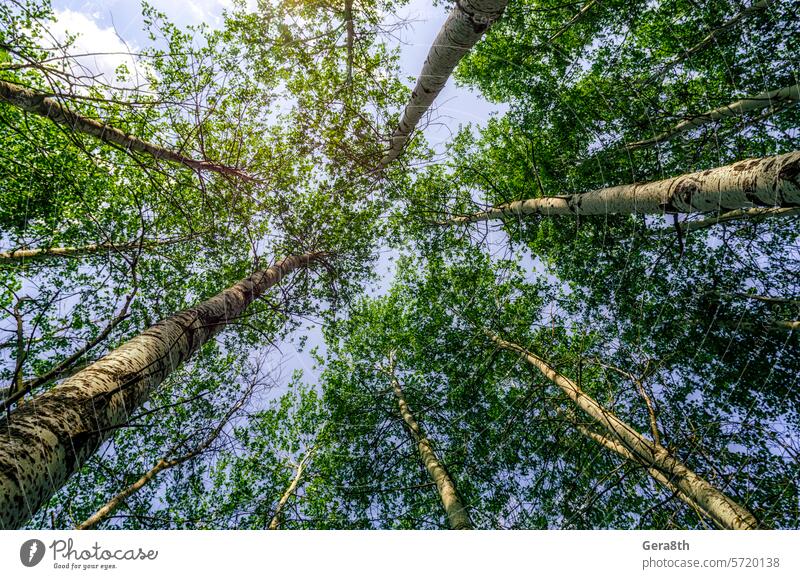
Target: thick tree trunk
463, 28
50, 108
727, 512
767, 182
773, 99
42, 443
457, 515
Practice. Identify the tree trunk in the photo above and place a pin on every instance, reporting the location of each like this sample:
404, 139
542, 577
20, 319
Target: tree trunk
457, 515
50, 108
44, 442
275, 523
753, 215
773, 99
659, 476
767, 182
15, 255
463, 28
724, 510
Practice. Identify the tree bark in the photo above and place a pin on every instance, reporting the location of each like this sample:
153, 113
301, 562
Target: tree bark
275, 523
15, 255
767, 182
464, 26
50, 108
753, 215
727, 512
657, 475
42, 443
457, 515
772, 99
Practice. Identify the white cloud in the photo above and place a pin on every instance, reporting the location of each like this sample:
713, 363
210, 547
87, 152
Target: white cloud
97, 50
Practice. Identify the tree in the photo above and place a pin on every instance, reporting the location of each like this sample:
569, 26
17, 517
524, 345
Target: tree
642, 359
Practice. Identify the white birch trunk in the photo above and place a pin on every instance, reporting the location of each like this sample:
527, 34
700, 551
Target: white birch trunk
275, 523
14, 255
711, 500
765, 182
457, 515
464, 26
42, 443
50, 108
773, 99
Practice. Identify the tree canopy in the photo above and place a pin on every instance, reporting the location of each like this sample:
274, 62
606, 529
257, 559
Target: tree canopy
582, 313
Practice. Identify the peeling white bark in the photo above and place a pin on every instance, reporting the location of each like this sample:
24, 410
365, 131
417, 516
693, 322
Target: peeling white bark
43, 442
50, 108
464, 26
774, 99
724, 510
765, 182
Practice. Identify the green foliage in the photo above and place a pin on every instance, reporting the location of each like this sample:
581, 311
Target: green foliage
631, 308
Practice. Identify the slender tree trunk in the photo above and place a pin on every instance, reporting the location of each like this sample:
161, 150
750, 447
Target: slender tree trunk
165, 463
275, 523
768, 181
51, 108
464, 26
457, 515
753, 215
720, 507
44, 442
773, 99
351, 36
710, 37
15, 255
574, 20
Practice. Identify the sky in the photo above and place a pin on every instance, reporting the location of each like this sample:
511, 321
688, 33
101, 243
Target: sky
109, 29
115, 26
